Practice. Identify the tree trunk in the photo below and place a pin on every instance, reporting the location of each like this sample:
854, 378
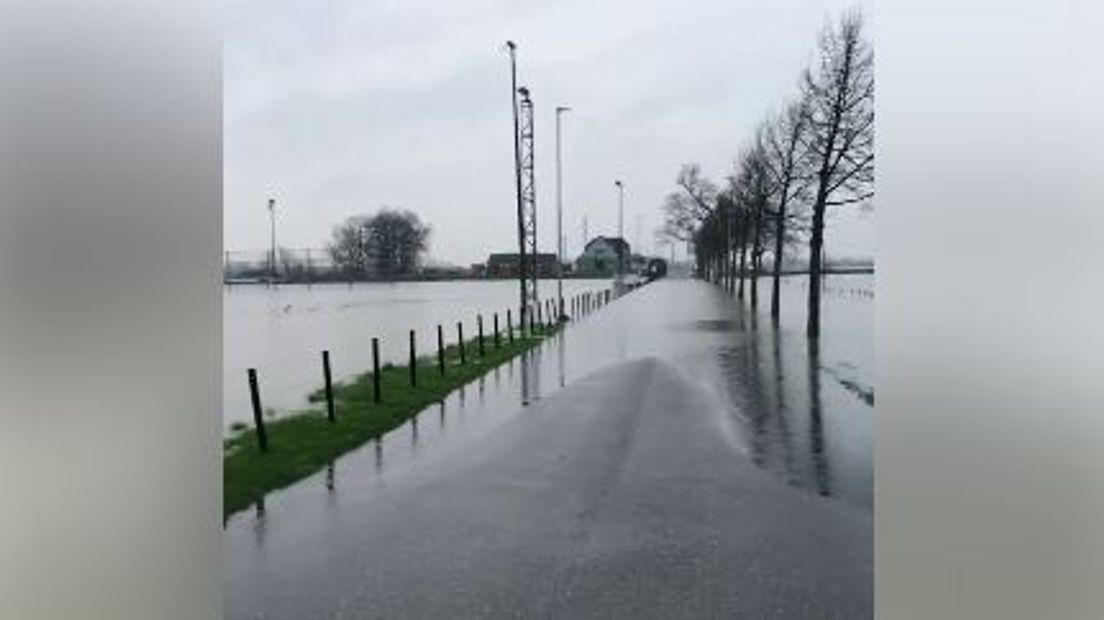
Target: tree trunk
816, 242
755, 258
732, 268
756, 255
743, 269
779, 238
724, 267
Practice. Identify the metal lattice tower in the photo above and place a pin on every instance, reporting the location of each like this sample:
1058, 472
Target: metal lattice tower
528, 212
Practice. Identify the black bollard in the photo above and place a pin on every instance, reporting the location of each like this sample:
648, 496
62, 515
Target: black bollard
496, 341
440, 349
479, 322
258, 419
413, 362
375, 370
460, 336
329, 386
510, 326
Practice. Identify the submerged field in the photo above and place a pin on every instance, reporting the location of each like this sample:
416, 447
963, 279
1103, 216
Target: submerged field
302, 443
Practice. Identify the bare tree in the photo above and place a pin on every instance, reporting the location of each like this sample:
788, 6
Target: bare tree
349, 249
839, 93
687, 209
751, 189
786, 163
731, 219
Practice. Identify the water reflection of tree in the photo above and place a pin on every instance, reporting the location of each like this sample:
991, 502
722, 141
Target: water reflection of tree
757, 412
816, 428
780, 404
775, 442
758, 386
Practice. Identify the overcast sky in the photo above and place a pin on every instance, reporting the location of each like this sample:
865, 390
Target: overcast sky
340, 107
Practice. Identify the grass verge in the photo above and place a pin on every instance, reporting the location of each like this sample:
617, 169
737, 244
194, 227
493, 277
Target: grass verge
303, 443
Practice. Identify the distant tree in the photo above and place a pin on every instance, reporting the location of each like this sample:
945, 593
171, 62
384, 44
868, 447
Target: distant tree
387, 244
397, 241
732, 220
688, 208
709, 241
839, 95
751, 188
786, 162
349, 248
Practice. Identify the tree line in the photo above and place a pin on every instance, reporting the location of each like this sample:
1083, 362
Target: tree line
815, 154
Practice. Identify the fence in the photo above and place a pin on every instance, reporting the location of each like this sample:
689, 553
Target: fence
291, 265
541, 317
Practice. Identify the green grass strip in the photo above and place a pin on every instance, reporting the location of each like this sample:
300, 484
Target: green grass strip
305, 442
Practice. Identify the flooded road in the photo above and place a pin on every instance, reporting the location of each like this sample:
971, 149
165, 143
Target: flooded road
792, 421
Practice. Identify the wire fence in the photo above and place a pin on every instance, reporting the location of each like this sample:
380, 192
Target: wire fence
288, 265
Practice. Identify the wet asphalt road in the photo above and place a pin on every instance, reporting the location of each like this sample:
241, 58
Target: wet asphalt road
694, 464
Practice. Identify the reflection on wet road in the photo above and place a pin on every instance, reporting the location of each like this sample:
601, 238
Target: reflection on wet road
791, 408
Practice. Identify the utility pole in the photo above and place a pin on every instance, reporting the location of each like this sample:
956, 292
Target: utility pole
528, 195
559, 217
563, 241
523, 302
272, 252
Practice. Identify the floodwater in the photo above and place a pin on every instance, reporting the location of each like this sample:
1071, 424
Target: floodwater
802, 414
281, 331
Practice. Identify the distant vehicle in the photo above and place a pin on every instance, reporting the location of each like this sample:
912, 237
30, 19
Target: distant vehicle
243, 280
655, 269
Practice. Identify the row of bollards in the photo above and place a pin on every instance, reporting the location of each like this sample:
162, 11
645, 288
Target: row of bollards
544, 314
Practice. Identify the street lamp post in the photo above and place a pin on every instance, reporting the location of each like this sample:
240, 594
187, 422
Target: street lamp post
522, 302
559, 216
620, 235
272, 251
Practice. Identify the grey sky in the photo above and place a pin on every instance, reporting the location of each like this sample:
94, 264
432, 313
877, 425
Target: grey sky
340, 107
